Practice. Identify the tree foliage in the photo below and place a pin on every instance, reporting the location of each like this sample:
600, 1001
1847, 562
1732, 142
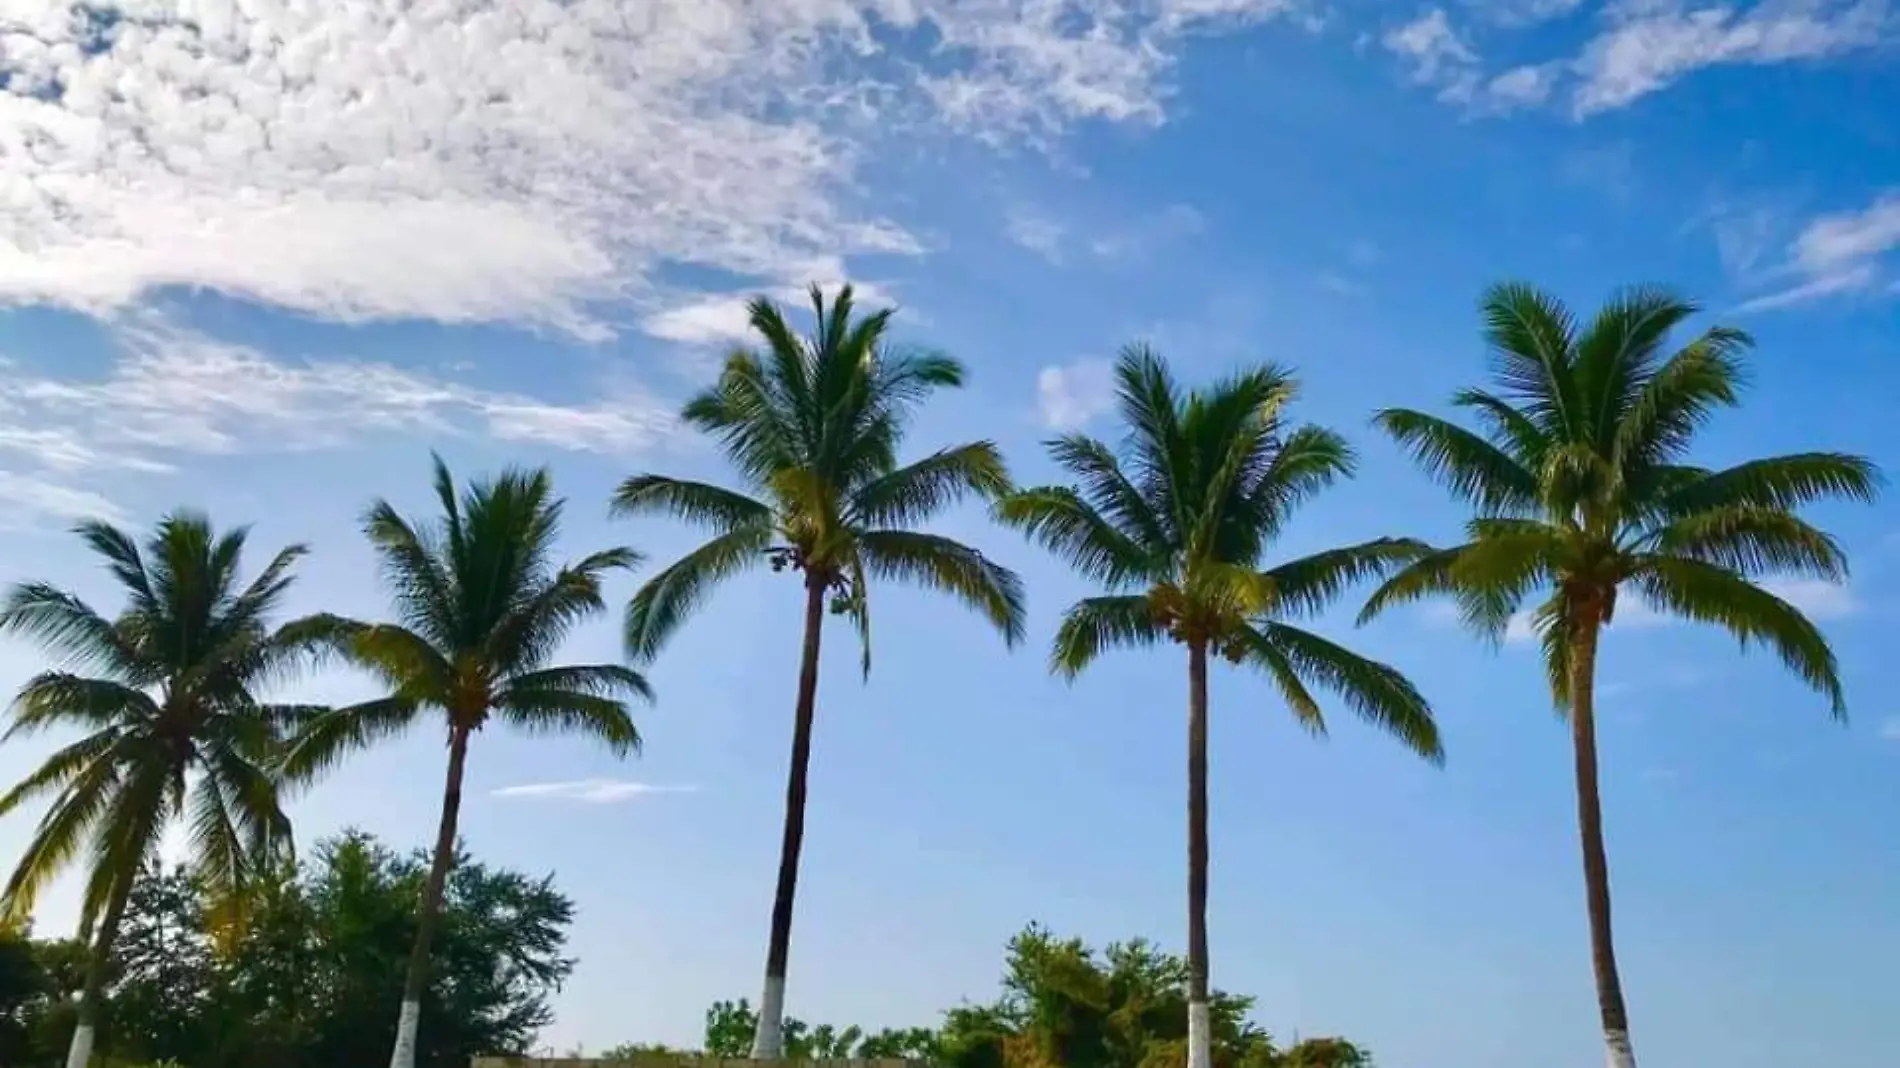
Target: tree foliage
304, 977
1062, 1005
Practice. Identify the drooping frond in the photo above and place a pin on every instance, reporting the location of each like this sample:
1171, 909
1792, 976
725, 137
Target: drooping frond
1709, 593
939, 563
415, 571
57, 699
549, 710
596, 680
918, 491
1783, 482
695, 502
1107, 490
1059, 520
1751, 540
1377, 693
1473, 469
1095, 624
663, 603
66, 627
1311, 584
542, 616
64, 766
755, 425
327, 738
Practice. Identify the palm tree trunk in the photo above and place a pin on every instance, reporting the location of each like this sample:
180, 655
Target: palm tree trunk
404, 1054
85, 1030
768, 1040
1200, 1040
1596, 865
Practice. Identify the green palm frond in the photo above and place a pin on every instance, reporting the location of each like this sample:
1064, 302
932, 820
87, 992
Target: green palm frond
548, 710
329, 737
127, 834
1709, 593
1752, 540
1783, 482
1617, 354
1094, 625
696, 502
1306, 461
663, 603
1531, 336
68, 628
939, 563
595, 680
67, 763
57, 699
917, 492
1473, 469
1432, 574
1310, 584
1058, 519
1249, 646
1662, 419
1379, 694
1109, 492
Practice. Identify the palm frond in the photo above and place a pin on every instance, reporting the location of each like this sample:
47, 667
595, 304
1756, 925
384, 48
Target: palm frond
1532, 337
1473, 469
755, 426
1378, 693
1709, 593
1780, 482
696, 502
1310, 584
918, 491
1096, 624
939, 563
536, 625
597, 680
65, 765
550, 710
401, 659
127, 834
67, 627
1249, 646
61, 833
664, 602
1617, 356
416, 569
1751, 540
332, 735
1058, 519
1309, 459
1680, 397
57, 699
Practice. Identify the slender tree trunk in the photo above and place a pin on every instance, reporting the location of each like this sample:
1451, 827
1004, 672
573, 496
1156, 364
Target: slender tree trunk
86, 1029
1200, 1040
768, 1040
1596, 865
404, 1054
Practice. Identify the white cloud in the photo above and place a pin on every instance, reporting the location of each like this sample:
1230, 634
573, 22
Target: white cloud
1649, 44
1842, 252
171, 392
1144, 236
713, 319
1818, 599
1071, 395
478, 160
1036, 232
1890, 729
1436, 55
1639, 47
590, 791
23, 496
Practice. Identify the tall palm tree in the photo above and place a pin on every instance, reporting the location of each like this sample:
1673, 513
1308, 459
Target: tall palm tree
1580, 480
1174, 526
813, 426
481, 609
167, 695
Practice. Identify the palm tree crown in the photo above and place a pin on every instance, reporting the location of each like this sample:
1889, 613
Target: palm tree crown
813, 426
1175, 525
167, 693
1581, 482
481, 609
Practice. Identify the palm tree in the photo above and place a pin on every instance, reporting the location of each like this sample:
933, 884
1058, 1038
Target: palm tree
1174, 526
480, 611
166, 694
813, 426
1580, 480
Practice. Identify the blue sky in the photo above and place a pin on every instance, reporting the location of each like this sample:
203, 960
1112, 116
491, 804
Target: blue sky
260, 258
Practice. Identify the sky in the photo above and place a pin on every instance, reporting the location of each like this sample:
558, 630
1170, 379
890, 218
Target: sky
259, 258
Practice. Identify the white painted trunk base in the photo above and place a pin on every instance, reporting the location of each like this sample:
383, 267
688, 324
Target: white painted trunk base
768, 1042
404, 1055
1620, 1053
1200, 1037
79, 1054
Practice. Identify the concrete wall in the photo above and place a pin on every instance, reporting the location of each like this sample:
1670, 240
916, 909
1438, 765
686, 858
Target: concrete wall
661, 1060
